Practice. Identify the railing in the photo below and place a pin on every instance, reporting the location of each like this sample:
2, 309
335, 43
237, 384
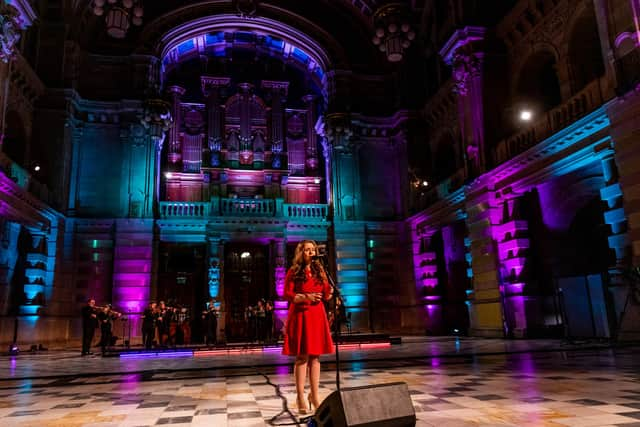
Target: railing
244, 208
441, 190
585, 101
184, 210
247, 207
305, 211
25, 180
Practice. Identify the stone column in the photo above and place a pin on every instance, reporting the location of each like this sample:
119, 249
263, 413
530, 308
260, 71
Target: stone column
279, 246
214, 267
156, 118
76, 139
463, 52
14, 18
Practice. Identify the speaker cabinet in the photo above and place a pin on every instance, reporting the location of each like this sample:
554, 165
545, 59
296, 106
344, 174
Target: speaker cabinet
383, 405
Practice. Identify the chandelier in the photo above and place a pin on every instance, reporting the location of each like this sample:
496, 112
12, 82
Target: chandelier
119, 15
393, 32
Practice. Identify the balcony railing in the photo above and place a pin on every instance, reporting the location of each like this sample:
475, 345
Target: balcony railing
585, 101
25, 180
189, 210
244, 208
305, 212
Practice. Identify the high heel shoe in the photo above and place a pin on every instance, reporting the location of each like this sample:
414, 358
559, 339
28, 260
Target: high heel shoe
302, 408
312, 405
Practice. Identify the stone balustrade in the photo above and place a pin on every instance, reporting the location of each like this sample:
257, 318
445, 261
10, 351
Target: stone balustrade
244, 208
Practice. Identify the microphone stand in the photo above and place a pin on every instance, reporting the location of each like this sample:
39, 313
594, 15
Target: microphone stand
336, 317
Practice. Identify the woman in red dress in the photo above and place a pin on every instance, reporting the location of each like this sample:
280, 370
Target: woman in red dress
307, 334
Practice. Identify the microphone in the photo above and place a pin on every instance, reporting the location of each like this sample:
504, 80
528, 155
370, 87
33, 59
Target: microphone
321, 253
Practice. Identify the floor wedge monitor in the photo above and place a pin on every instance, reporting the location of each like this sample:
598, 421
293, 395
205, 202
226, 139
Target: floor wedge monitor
380, 405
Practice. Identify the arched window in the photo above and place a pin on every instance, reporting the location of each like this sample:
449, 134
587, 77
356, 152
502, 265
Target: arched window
585, 52
538, 85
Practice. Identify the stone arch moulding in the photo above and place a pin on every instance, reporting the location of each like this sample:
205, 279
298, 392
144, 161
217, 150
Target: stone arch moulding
536, 48
292, 44
574, 19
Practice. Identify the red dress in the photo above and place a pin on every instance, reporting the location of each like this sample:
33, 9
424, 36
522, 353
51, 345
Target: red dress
307, 329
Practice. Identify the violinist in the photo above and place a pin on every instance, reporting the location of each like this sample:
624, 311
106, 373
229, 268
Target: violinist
89, 323
210, 318
163, 322
105, 317
149, 324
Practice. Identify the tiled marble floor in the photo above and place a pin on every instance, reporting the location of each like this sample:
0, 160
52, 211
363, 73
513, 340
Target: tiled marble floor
588, 387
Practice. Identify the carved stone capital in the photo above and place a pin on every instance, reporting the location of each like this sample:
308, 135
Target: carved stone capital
465, 68
9, 31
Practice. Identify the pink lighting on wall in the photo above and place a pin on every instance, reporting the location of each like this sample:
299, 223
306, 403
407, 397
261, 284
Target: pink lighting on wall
635, 7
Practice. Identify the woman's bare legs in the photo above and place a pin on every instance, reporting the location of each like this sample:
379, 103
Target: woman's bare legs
314, 380
300, 374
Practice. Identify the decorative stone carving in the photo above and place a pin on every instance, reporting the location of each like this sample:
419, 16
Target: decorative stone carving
9, 31
465, 68
246, 8
157, 119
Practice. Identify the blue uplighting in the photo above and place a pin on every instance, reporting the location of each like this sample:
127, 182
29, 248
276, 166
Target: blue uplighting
186, 46
274, 43
297, 53
214, 38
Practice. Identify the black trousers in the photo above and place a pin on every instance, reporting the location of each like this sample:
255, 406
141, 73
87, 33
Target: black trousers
105, 337
87, 338
147, 336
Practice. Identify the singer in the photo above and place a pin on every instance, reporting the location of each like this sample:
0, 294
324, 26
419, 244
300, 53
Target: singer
307, 334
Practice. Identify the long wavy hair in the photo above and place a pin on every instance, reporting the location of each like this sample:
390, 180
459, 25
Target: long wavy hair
298, 265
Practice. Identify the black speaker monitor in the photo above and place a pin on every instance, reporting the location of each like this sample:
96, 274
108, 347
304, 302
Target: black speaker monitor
383, 405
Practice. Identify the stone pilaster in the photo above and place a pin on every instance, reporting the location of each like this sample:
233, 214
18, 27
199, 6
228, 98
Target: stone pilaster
463, 52
279, 249
485, 300
132, 268
426, 276
8, 258
510, 232
215, 248
625, 201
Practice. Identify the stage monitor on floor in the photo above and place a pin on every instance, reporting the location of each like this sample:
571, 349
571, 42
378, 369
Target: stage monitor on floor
382, 405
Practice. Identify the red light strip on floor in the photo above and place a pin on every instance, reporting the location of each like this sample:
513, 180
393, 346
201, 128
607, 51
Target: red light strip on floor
364, 346
223, 352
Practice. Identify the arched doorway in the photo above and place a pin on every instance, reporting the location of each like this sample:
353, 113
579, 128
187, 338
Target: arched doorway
181, 281
246, 280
